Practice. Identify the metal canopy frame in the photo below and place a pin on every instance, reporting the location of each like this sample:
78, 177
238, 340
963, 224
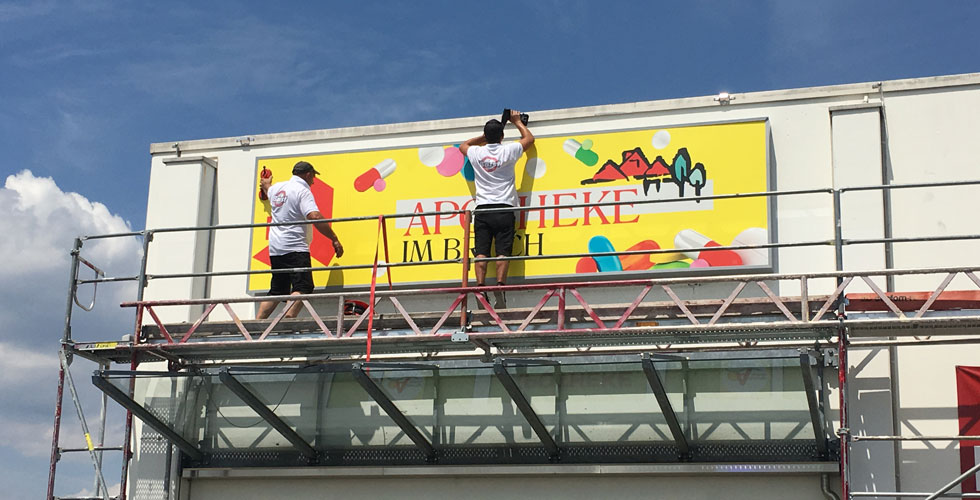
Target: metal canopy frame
268, 415
550, 449
813, 398
805, 325
148, 418
378, 395
524, 406
653, 378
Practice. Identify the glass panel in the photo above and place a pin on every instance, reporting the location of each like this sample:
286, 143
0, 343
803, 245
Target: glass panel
757, 399
584, 401
613, 403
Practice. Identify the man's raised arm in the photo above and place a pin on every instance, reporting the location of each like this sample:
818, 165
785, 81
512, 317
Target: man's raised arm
527, 138
476, 141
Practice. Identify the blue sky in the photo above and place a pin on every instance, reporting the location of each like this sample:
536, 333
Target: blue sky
86, 86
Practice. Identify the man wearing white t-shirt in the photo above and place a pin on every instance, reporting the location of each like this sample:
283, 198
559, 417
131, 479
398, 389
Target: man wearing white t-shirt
292, 201
493, 169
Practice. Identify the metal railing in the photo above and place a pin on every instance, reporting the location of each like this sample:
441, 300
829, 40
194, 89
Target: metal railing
834, 304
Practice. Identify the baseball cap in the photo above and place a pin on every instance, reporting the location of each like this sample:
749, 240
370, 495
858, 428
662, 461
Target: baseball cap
304, 167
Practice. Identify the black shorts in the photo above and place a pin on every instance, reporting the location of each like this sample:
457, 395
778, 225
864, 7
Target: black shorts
285, 283
493, 227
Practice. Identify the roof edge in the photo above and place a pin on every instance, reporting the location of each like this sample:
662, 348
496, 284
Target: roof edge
804, 93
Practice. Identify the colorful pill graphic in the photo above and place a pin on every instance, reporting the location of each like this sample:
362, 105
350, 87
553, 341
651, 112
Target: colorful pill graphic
581, 151
369, 179
452, 162
431, 156
694, 242
677, 264
639, 262
467, 171
699, 263
605, 263
754, 256
586, 265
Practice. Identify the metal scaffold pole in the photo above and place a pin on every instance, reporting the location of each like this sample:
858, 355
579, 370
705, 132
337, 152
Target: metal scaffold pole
96, 461
735, 322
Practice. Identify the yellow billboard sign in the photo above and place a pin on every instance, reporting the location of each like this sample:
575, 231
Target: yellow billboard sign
632, 167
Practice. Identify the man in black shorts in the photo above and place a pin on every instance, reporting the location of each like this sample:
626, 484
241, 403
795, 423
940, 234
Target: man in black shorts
493, 168
292, 201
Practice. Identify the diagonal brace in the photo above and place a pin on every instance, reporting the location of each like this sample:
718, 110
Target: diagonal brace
148, 418
653, 378
268, 415
525, 408
393, 412
816, 418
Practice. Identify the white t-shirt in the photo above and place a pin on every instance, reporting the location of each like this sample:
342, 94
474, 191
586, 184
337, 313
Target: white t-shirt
290, 201
493, 167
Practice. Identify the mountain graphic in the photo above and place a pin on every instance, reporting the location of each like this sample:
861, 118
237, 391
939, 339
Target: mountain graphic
635, 165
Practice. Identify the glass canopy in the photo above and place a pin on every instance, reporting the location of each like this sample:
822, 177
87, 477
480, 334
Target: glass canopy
763, 406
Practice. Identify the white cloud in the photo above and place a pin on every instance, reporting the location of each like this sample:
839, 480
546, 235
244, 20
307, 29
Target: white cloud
30, 438
42, 221
19, 365
87, 493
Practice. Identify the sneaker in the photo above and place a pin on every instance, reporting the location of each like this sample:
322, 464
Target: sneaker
486, 298
500, 300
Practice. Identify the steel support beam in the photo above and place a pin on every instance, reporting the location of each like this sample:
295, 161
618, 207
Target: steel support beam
816, 416
500, 370
653, 378
148, 418
393, 412
268, 415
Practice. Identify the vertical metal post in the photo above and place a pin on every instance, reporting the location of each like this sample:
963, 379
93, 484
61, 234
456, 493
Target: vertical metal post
100, 441
55, 453
844, 432
886, 195
838, 233
147, 238
72, 289
96, 463
886, 202
466, 268
65, 338
127, 453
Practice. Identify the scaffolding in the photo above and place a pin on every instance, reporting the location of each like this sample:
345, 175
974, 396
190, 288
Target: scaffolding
572, 325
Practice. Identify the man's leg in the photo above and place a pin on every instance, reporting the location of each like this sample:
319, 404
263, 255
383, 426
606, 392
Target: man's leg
300, 282
500, 299
278, 285
265, 309
480, 268
483, 237
295, 308
504, 240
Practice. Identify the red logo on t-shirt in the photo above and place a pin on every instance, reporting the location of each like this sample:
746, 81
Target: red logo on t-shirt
489, 163
279, 199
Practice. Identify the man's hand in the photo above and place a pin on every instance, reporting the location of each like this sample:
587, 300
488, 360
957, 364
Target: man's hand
265, 183
527, 138
338, 248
